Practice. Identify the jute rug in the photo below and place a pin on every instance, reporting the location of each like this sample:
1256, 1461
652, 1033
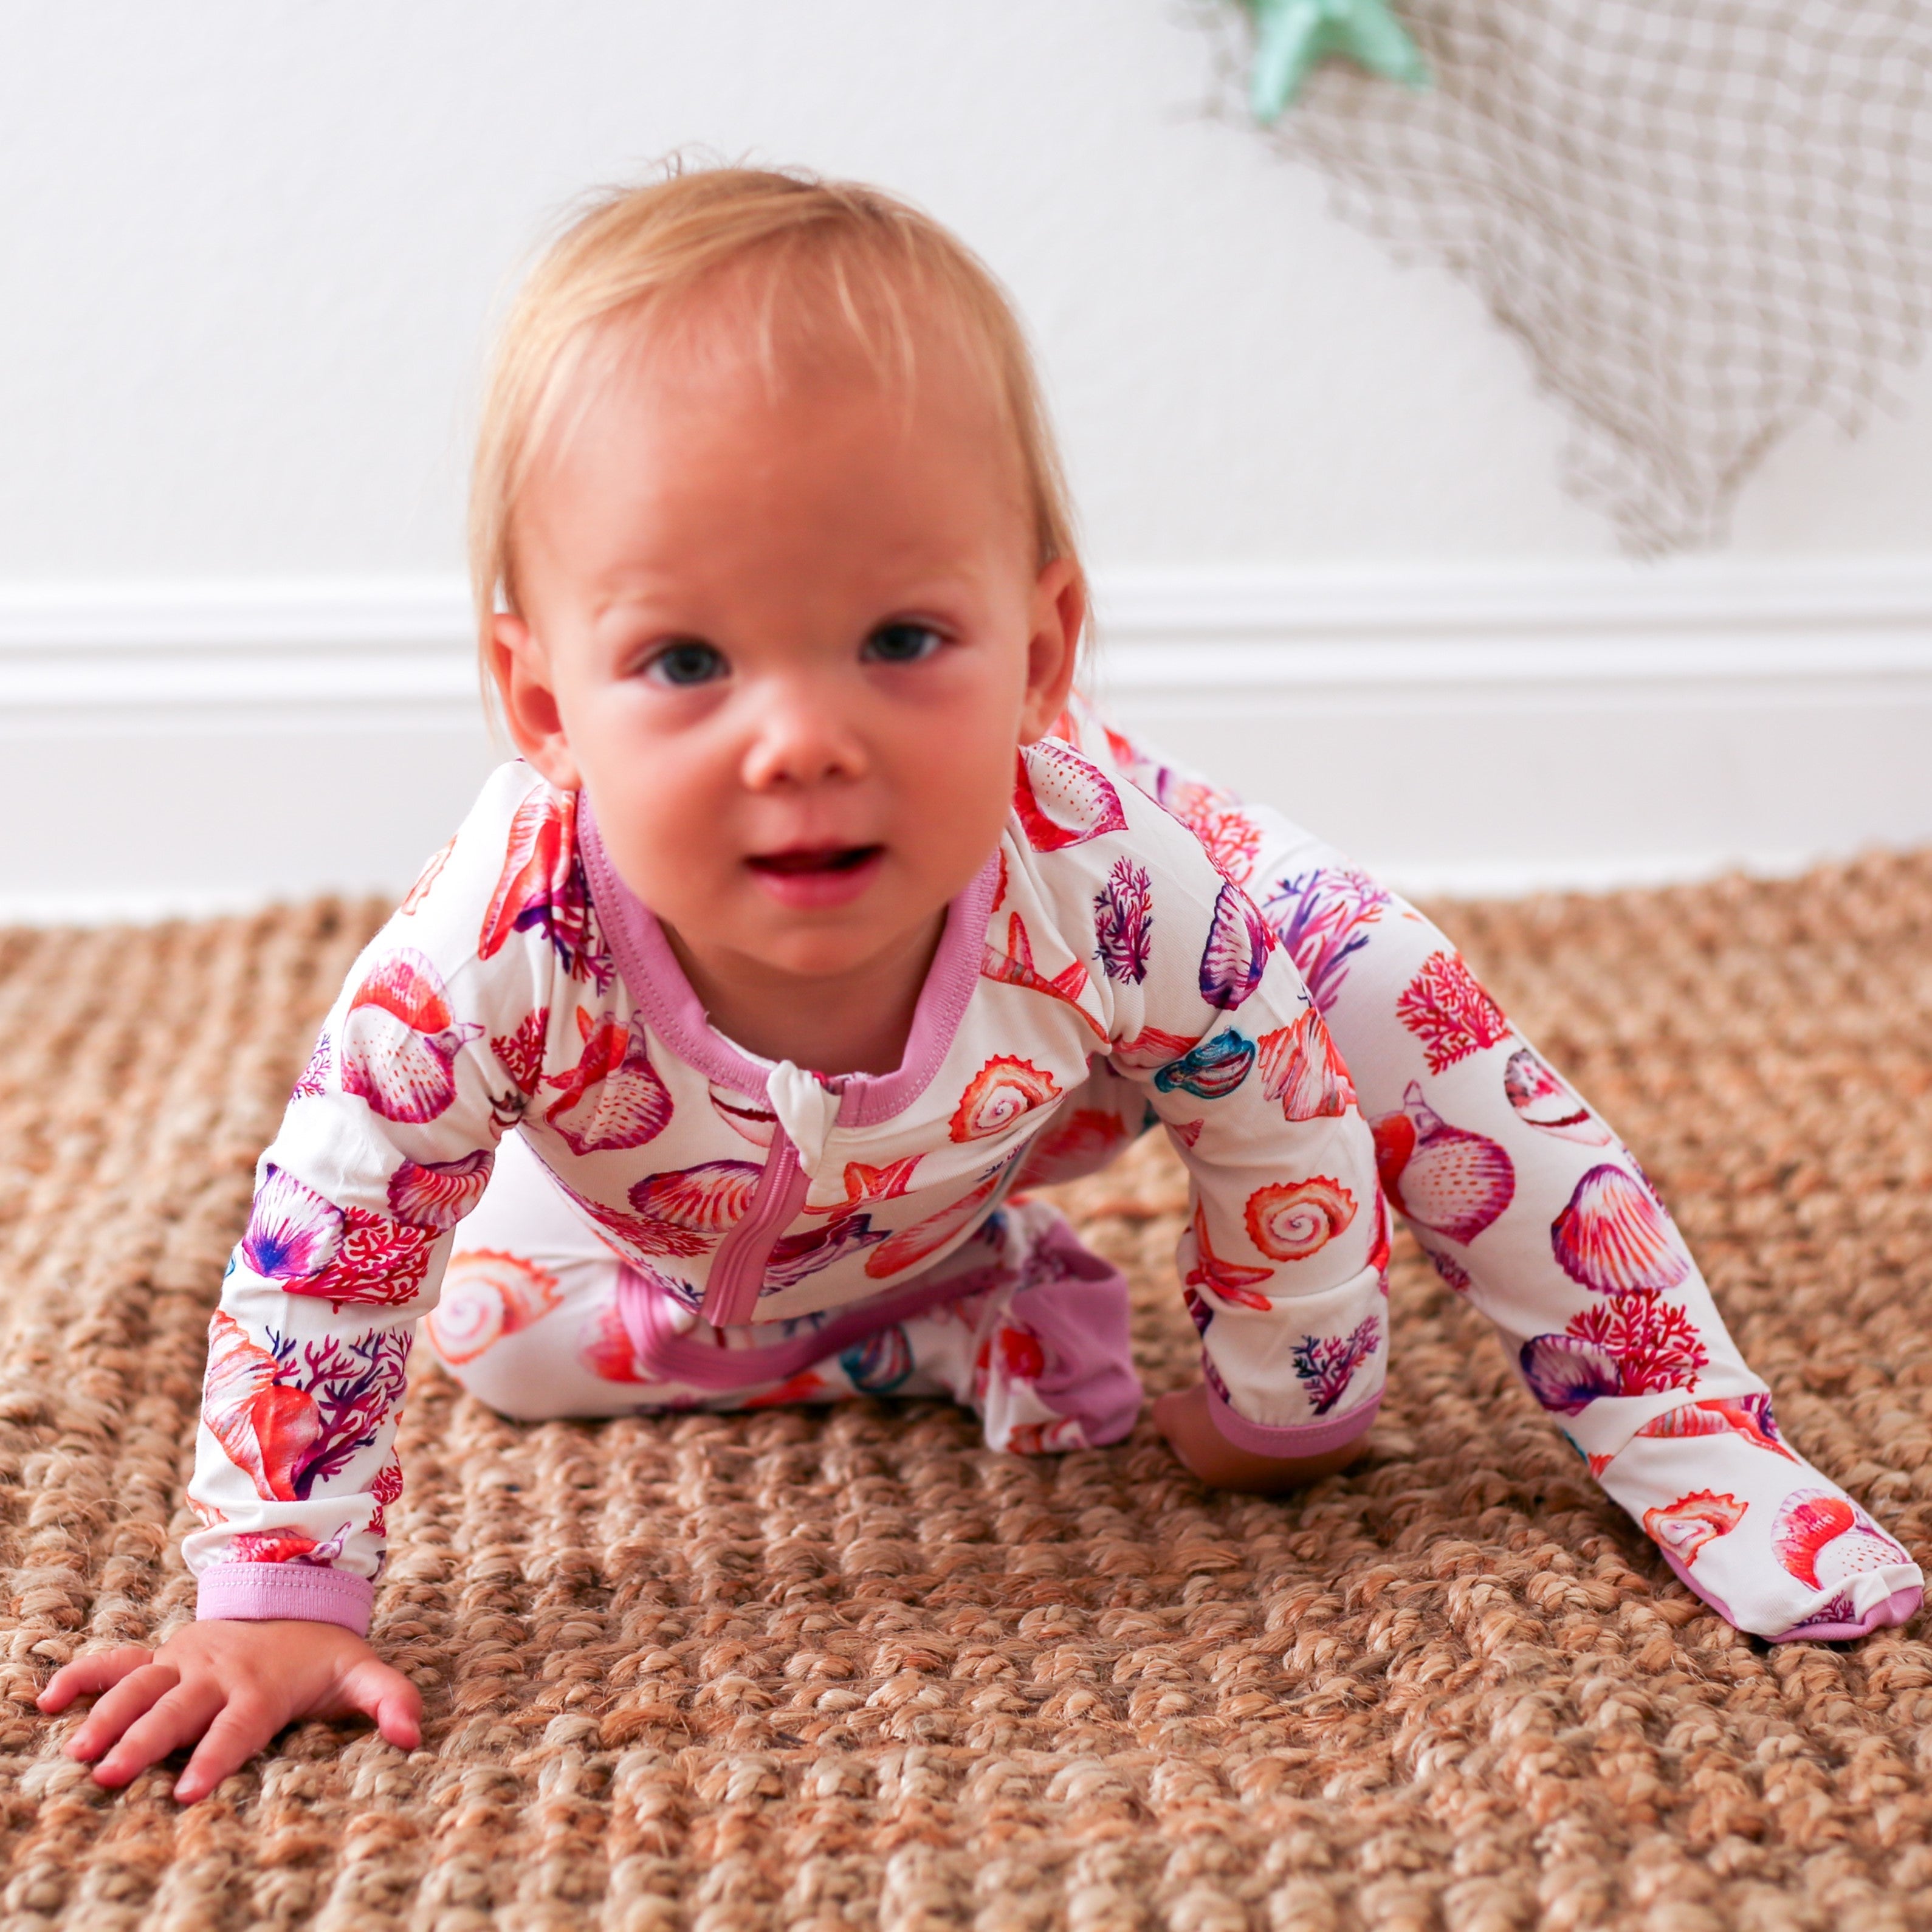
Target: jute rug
851, 1670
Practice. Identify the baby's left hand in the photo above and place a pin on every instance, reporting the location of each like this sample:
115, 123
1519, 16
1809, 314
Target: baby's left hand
1184, 1417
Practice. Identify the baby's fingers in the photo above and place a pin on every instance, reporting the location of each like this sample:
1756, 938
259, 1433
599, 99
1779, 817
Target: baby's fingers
140, 1690
386, 1695
86, 1674
242, 1728
180, 1717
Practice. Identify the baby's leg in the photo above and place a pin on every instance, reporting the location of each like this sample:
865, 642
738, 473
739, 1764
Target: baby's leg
1528, 1203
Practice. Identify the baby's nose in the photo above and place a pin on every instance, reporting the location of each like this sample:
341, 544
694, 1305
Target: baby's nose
801, 742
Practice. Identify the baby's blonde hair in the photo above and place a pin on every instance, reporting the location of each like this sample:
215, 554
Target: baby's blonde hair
803, 250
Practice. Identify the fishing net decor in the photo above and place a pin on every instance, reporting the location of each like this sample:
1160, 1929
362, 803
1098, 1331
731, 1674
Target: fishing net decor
1705, 221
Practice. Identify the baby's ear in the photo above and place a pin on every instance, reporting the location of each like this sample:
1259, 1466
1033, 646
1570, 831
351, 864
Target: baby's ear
1058, 621
521, 666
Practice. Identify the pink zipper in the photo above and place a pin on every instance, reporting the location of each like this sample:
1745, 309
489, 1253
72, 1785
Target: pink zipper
738, 1268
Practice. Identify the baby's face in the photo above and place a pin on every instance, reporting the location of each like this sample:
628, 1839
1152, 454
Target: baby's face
787, 638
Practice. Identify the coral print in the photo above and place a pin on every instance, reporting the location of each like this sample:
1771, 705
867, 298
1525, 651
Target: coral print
1301, 1069
1543, 1098
1211, 1071
1232, 1281
542, 887
878, 1364
1615, 1237
1014, 967
312, 1082
487, 1294
289, 1421
1291, 1220
413, 899
1236, 955
1636, 1344
685, 1212
1446, 1010
385, 1488
1003, 1093
1441, 1178
380, 1263
1322, 918
438, 1193
1124, 923
613, 1097
520, 1053
1231, 840
1748, 1416
1822, 1538
400, 1041
1684, 1526
293, 1231
1061, 799
1325, 1365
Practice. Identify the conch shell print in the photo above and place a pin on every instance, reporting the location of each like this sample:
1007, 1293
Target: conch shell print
1061, 799
1290, 1220
1446, 1010
1822, 1538
400, 1041
796, 1256
1301, 1068
685, 1211
266, 1430
1441, 1178
1544, 1099
1749, 1416
1684, 1527
438, 1193
1615, 1237
1211, 1071
1004, 1092
293, 1232
613, 1097
542, 885
879, 1363
487, 1295
1236, 954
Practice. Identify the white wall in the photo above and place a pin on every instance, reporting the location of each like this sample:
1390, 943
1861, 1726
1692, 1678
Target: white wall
251, 248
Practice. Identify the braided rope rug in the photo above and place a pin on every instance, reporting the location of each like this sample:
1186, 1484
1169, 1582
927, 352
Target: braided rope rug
849, 1669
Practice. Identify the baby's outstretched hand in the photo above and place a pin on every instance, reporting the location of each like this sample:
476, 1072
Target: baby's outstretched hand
1184, 1417
233, 1686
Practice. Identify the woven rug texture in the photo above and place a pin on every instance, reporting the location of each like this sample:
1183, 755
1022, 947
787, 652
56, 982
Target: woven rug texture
849, 1669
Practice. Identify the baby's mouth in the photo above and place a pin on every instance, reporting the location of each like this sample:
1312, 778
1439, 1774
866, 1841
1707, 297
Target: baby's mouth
809, 858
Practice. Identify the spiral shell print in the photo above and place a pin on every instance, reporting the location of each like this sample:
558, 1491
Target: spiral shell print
1615, 1237
487, 1294
1684, 1527
1061, 799
1289, 1220
1003, 1093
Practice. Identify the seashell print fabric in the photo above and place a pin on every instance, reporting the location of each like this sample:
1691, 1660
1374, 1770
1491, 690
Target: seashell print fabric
505, 1060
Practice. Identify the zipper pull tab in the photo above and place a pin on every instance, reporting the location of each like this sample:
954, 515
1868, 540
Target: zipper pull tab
806, 1109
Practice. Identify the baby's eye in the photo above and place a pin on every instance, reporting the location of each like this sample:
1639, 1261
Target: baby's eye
901, 644
687, 662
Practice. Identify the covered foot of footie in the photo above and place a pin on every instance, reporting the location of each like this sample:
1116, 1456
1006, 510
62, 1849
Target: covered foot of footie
1768, 1542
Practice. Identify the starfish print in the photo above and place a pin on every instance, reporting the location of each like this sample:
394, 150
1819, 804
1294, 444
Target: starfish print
1292, 36
1230, 1280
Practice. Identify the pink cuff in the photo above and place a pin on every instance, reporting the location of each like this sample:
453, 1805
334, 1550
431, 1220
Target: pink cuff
1294, 1438
256, 1592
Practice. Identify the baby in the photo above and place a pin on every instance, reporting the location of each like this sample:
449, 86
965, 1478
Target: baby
708, 1066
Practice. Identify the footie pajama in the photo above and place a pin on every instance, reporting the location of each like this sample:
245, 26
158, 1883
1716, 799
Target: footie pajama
519, 1128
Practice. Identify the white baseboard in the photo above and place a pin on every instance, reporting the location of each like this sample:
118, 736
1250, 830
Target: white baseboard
181, 749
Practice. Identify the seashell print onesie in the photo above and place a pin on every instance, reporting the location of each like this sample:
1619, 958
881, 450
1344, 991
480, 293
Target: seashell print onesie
651, 1218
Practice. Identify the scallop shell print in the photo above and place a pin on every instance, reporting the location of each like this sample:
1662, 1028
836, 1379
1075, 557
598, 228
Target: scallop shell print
685, 1211
1684, 1527
293, 1232
1441, 1178
438, 1193
1822, 1538
1301, 1068
1061, 799
1543, 1098
1003, 1093
1615, 1237
1236, 954
400, 1041
1290, 1220
1211, 1070
487, 1294
1566, 1373
613, 1097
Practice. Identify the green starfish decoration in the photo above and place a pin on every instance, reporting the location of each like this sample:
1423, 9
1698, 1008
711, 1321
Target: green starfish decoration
1292, 35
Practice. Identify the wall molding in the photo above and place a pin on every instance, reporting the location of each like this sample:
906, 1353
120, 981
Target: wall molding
379, 652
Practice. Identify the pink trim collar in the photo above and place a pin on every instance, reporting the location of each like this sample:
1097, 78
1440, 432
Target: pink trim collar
674, 1012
